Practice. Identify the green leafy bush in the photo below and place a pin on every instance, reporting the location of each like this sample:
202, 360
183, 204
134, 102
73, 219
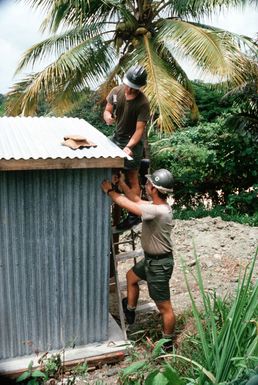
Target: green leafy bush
210, 101
210, 161
244, 202
249, 377
152, 370
52, 370
32, 376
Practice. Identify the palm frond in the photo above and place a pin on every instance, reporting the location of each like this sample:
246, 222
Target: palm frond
198, 8
246, 43
84, 12
81, 67
58, 44
212, 51
180, 75
79, 13
15, 98
246, 101
169, 100
61, 12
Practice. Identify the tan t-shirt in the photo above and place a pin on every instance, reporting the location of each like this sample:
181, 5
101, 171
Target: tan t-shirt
157, 224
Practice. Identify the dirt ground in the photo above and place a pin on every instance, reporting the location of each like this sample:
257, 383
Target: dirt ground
223, 249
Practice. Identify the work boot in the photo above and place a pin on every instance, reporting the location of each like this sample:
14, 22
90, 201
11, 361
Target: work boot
130, 221
168, 346
129, 314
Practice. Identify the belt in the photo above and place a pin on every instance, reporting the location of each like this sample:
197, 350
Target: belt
158, 256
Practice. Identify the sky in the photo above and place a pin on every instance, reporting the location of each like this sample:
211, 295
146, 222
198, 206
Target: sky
20, 29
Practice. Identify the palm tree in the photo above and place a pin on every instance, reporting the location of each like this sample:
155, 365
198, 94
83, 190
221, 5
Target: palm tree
245, 98
94, 40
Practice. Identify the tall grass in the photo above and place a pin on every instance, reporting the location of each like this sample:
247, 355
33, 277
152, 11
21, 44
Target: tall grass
226, 345
229, 346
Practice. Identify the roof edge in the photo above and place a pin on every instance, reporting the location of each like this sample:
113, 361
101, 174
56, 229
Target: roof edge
67, 163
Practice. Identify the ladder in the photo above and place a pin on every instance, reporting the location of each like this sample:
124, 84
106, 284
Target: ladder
117, 257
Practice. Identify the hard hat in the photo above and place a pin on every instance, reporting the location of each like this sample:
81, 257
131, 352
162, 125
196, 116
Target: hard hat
135, 77
161, 179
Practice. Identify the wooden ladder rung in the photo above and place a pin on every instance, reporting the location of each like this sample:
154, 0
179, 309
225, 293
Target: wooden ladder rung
129, 255
124, 242
150, 306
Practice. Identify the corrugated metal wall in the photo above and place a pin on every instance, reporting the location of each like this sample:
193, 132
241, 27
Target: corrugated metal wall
54, 260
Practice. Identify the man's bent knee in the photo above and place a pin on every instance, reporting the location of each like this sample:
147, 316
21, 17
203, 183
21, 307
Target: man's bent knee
132, 277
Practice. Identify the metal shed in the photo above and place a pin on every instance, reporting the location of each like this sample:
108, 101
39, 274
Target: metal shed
54, 236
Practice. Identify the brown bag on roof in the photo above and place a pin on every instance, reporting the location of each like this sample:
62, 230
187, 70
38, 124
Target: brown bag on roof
76, 141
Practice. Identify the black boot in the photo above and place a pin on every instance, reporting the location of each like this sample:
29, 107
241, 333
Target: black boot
130, 221
168, 346
129, 314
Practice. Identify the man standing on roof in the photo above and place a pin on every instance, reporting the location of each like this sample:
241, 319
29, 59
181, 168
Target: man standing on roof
157, 265
129, 109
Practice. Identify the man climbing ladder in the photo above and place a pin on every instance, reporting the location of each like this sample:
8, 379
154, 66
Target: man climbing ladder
157, 265
129, 109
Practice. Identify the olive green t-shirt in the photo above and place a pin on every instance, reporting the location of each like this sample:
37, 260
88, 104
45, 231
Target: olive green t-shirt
128, 112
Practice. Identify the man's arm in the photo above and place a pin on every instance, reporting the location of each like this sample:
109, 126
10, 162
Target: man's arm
107, 115
136, 137
129, 193
121, 200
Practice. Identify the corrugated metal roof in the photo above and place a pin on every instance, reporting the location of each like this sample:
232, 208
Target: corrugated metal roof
23, 138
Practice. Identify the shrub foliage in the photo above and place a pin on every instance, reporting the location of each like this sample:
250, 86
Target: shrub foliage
211, 160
